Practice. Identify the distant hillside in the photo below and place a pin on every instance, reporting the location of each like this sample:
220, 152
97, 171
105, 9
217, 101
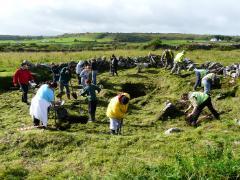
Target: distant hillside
112, 41
13, 37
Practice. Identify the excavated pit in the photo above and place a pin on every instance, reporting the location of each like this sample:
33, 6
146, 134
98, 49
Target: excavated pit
134, 89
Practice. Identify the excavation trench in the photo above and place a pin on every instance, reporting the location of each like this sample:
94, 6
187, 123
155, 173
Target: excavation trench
135, 89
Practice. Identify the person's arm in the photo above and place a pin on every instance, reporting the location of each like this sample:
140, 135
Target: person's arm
15, 78
84, 92
193, 103
50, 96
194, 110
82, 74
30, 76
163, 56
78, 69
189, 107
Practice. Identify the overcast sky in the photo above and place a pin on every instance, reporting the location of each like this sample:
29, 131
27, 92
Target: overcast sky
54, 17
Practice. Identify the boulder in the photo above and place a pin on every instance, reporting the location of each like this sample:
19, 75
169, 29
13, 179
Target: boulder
172, 130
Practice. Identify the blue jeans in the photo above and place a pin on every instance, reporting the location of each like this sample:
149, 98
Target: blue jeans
207, 86
94, 77
198, 80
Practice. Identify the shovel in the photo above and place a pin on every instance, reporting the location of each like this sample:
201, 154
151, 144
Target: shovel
74, 94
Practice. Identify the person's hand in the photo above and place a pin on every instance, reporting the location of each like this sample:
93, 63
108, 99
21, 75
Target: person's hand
189, 115
15, 84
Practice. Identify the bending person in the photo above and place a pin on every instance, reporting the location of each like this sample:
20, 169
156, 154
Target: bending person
43, 99
208, 81
178, 63
200, 73
198, 100
117, 108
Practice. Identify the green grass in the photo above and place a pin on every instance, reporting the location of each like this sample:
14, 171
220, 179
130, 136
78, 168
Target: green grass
12, 60
143, 152
210, 151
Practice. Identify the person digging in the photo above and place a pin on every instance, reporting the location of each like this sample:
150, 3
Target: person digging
90, 91
40, 103
178, 63
198, 100
116, 110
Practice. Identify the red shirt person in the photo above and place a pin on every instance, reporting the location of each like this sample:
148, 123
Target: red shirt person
22, 77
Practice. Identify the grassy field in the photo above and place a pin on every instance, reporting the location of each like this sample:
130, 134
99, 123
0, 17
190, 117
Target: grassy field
112, 41
87, 151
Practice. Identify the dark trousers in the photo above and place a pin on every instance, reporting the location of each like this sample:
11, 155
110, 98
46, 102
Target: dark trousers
92, 106
199, 109
114, 70
36, 122
169, 63
61, 87
55, 78
24, 88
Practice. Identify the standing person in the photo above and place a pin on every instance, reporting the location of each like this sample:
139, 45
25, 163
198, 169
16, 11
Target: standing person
79, 68
151, 58
55, 71
116, 110
167, 58
43, 99
200, 73
90, 90
114, 63
94, 71
207, 82
85, 75
22, 77
198, 100
65, 77
178, 62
